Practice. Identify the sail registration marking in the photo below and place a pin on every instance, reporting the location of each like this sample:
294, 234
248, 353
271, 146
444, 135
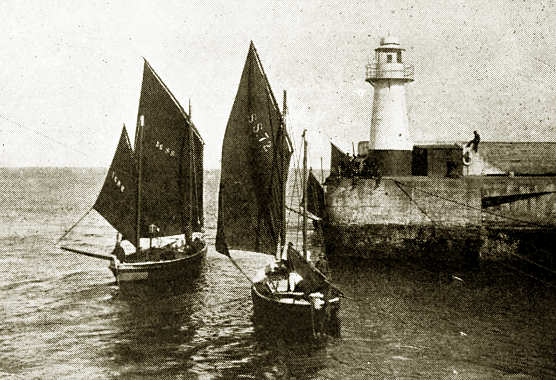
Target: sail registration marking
168, 151
117, 181
262, 137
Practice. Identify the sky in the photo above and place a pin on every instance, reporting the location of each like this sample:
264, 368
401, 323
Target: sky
70, 73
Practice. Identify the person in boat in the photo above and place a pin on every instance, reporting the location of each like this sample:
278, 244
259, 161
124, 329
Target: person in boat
474, 144
303, 287
119, 252
197, 244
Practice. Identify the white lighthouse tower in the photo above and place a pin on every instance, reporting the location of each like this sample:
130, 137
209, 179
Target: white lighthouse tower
390, 144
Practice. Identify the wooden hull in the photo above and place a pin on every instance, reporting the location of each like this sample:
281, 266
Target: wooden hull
290, 316
184, 269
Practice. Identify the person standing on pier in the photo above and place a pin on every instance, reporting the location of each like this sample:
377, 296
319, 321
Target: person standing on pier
474, 144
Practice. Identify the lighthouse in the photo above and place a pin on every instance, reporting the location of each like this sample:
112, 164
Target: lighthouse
390, 144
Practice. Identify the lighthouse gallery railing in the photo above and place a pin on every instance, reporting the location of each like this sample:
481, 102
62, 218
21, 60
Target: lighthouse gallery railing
385, 71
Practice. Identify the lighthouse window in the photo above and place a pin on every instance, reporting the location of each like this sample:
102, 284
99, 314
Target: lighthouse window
399, 57
389, 58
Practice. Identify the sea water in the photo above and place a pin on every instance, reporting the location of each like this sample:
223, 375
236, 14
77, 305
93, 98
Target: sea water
64, 317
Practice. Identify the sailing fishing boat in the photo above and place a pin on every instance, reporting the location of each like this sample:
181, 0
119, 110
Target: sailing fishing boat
251, 212
155, 192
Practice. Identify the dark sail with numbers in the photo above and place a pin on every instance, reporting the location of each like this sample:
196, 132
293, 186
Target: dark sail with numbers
117, 199
155, 191
256, 155
255, 161
172, 161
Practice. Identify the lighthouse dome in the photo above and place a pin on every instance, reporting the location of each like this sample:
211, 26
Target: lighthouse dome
389, 40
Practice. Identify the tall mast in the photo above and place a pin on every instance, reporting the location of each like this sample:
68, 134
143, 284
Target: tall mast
188, 228
304, 185
285, 108
321, 171
139, 151
283, 194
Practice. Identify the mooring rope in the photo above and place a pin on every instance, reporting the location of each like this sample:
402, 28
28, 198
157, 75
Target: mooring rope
239, 268
416, 204
398, 184
532, 262
527, 274
472, 207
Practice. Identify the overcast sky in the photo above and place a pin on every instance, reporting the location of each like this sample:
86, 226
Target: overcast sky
70, 72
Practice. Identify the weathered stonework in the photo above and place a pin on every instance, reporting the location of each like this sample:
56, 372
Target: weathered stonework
434, 217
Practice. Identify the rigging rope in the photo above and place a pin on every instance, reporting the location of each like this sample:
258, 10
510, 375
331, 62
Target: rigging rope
398, 184
416, 204
472, 207
526, 274
239, 268
22, 126
309, 215
297, 158
73, 226
532, 262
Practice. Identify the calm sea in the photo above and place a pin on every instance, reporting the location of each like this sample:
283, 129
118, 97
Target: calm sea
63, 316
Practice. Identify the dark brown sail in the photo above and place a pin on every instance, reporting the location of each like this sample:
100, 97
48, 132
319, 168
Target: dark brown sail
315, 196
197, 221
314, 279
255, 161
116, 201
339, 161
171, 164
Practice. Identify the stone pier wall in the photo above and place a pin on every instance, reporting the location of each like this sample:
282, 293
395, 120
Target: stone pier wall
536, 211
415, 216
404, 201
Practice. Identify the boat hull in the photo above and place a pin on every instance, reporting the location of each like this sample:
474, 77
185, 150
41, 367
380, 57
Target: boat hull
293, 320
183, 268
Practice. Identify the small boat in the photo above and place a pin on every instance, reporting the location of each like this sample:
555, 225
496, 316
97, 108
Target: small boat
290, 296
155, 192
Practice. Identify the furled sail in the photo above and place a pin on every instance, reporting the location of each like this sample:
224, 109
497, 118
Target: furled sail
172, 155
116, 201
255, 162
315, 196
197, 221
314, 279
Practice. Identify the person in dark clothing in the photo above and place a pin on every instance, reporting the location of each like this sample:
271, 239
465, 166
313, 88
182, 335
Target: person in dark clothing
474, 144
119, 252
346, 167
197, 245
369, 168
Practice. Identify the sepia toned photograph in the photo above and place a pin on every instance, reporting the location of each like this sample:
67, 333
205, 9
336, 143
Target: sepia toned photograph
278, 189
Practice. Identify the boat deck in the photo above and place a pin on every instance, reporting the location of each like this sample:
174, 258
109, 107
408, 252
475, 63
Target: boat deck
155, 254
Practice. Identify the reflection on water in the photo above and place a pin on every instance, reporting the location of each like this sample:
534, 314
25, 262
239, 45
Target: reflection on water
63, 316
67, 318
154, 327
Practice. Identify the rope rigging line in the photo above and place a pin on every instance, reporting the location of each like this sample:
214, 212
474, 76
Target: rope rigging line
526, 274
22, 126
416, 204
532, 262
472, 207
398, 184
74, 225
309, 215
297, 158
239, 268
